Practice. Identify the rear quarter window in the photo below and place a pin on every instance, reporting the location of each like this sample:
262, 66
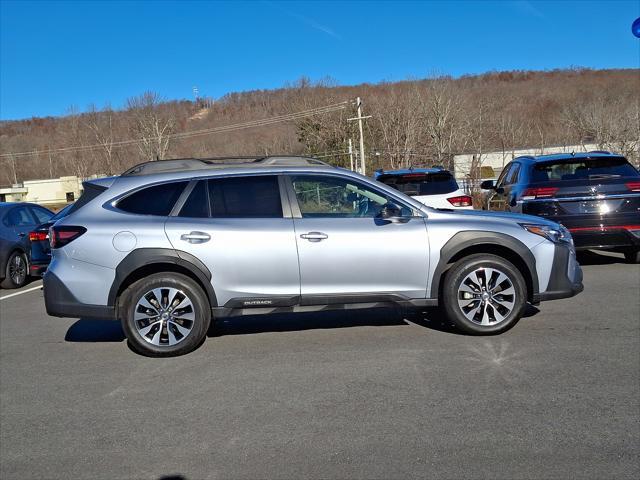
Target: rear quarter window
155, 200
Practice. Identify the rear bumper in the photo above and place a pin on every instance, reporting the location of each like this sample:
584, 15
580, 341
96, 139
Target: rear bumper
605, 237
60, 302
38, 269
565, 280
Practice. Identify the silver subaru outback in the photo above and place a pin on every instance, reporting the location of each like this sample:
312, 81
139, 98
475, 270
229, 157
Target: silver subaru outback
167, 247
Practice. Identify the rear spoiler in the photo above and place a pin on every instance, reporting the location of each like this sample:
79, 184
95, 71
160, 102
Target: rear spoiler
91, 189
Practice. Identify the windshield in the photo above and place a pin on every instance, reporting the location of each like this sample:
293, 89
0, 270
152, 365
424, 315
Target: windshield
583, 169
421, 183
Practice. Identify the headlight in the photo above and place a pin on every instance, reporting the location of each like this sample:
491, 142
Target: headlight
556, 235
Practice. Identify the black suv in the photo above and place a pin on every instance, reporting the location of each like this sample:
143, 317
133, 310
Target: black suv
596, 195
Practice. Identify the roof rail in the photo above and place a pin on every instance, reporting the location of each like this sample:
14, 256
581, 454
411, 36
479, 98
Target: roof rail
530, 157
186, 164
599, 151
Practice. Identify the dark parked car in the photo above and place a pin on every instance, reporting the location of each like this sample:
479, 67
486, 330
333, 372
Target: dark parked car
16, 221
40, 247
596, 195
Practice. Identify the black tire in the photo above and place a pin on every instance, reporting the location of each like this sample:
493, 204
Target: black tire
13, 278
484, 263
632, 255
167, 283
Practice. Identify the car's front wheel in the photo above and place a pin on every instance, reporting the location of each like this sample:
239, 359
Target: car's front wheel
16, 272
165, 314
484, 294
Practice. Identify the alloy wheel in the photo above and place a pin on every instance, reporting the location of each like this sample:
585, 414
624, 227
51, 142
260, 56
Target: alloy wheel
164, 316
486, 296
18, 270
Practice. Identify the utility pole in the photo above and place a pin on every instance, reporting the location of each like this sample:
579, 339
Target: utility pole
363, 163
351, 156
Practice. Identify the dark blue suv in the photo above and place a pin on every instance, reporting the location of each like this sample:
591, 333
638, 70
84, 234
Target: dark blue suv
596, 195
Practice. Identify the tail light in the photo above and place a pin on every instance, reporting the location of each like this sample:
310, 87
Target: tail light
38, 236
539, 192
461, 201
63, 235
633, 186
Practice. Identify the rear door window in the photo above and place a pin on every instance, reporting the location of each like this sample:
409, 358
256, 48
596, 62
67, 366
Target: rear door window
245, 197
18, 217
583, 169
42, 215
156, 200
197, 205
422, 183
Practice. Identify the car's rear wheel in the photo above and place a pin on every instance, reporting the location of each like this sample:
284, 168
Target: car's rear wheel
165, 314
16, 271
632, 255
484, 294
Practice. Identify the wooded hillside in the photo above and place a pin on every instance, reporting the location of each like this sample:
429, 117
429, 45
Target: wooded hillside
413, 122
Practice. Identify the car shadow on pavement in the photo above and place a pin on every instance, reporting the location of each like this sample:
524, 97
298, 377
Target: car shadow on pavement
435, 319
291, 322
592, 257
87, 330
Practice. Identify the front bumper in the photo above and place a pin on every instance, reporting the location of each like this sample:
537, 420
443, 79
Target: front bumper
60, 302
565, 279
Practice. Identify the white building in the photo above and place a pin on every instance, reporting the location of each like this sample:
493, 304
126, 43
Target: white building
53, 192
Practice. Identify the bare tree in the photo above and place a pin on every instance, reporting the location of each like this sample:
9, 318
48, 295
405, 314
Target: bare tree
399, 121
101, 124
151, 124
73, 136
443, 125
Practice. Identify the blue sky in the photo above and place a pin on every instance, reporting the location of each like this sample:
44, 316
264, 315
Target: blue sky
57, 54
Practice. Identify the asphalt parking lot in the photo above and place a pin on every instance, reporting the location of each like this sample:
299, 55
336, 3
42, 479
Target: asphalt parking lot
339, 395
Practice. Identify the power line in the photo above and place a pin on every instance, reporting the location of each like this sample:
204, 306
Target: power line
194, 133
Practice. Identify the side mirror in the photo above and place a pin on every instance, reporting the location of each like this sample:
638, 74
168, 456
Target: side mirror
488, 185
392, 213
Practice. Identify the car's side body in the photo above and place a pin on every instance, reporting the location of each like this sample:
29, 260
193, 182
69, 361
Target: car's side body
596, 195
291, 261
16, 221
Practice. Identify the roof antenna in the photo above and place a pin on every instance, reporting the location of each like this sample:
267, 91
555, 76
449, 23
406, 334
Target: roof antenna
573, 153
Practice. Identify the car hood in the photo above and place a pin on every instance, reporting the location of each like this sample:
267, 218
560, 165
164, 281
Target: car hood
502, 217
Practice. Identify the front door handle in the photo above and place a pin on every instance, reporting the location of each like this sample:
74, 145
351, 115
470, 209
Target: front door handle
195, 237
314, 236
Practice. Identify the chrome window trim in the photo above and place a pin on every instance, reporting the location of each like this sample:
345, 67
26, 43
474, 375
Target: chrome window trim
582, 199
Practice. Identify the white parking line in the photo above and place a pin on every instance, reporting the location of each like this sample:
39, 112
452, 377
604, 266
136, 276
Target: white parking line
20, 293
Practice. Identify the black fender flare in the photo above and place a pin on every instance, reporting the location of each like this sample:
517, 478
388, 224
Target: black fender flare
143, 257
472, 238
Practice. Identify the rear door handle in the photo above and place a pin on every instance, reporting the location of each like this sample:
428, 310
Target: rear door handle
195, 237
314, 236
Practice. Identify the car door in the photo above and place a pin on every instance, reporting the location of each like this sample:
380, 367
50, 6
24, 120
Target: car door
20, 222
242, 231
347, 253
